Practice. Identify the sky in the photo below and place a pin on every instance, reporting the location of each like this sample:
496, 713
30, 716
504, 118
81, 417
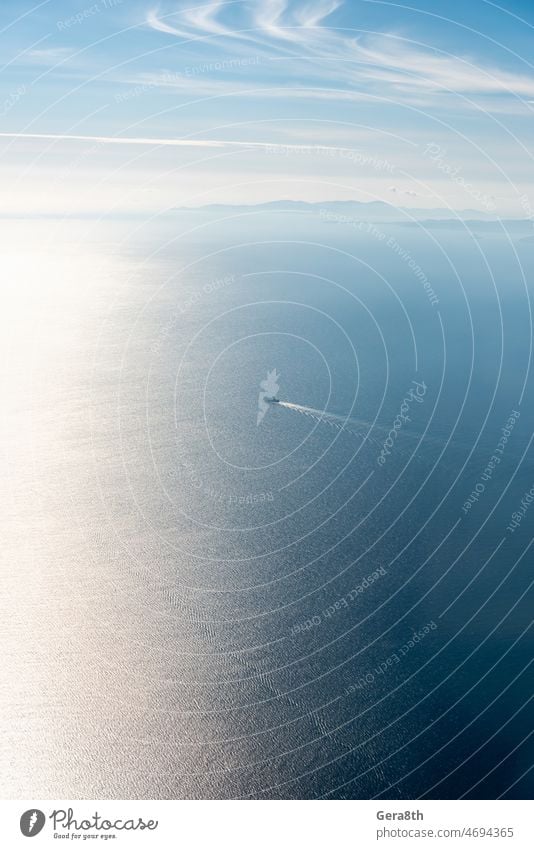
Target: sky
138, 106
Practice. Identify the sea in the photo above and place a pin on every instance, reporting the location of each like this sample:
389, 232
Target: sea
210, 595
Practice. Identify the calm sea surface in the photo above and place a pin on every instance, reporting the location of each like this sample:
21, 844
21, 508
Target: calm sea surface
198, 605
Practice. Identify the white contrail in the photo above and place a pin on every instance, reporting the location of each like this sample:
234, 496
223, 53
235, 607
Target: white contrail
357, 427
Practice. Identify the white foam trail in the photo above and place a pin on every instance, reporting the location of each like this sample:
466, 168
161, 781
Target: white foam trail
357, 427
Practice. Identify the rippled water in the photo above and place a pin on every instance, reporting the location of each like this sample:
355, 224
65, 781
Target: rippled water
197, 605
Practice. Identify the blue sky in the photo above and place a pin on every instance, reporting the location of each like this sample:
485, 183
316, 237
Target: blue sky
142, 105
